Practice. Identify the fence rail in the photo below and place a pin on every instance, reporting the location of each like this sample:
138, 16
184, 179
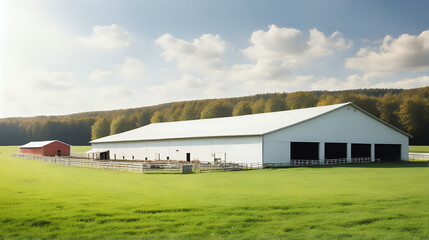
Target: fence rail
418, 157
311, 162
142, 166
178, 166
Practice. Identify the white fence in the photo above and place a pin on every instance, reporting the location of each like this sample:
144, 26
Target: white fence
141, 166
424, 157
306, 162
177, 166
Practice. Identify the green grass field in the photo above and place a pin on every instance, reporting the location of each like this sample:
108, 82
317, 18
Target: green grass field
47, 201
80, 148
419, 149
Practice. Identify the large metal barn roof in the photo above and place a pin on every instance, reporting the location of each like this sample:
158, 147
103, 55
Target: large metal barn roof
246, 125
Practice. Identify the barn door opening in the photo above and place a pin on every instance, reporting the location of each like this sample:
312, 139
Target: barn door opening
59, 153
335, 150
304, 150
104, 155
361, 150
188, 157
388, 152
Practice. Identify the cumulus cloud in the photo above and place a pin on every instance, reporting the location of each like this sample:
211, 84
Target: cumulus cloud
290, 47
130, 71
116, 92
407, 52
264, 69
202, 55
333, 83
275, 52
187, 83
279, 50
43, 91
101, 75
54, 80
107, 37
406, 83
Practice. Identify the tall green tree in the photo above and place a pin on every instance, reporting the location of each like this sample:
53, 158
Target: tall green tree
157, 117
299, 100
326, 99
414, 115
275, 103
189, 111
259, 106
217, 108
143, 117
101, 128
242, 108
174, 112
368, 103
388, 108
120, 124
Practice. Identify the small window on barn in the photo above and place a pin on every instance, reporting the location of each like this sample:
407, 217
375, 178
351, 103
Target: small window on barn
123, 157
133, 157
168, 158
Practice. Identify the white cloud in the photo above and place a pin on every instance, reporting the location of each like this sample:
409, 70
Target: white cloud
264, 69
54, 80
131, 70
115, 92
41, 91
333, 84
406, 83
289, 46
107, 37
189, 81
405, 53
100, 75
202, 55
321, 45
279, 50
275, 51
177, 88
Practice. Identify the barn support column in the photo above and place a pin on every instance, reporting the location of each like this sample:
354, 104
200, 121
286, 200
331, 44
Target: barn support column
372, 152
349, 152
322, 153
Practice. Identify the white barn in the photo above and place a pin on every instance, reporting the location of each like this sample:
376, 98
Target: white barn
341, 132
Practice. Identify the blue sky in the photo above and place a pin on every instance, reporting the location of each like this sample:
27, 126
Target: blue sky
61, 57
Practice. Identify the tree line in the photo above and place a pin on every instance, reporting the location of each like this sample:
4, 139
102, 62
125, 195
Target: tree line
405, 109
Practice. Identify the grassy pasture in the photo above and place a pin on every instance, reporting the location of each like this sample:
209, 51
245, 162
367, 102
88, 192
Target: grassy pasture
80, 148
419, 149
41, 200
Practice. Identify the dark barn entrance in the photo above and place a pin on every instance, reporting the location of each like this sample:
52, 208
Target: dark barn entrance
104, 155
388, 152
304, 150
335, 150
361, 150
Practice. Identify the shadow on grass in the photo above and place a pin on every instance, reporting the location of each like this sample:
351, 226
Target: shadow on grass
399, 164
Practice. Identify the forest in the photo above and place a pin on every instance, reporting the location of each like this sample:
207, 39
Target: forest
407, 110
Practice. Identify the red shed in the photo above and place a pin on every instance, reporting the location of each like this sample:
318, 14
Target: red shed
46, 148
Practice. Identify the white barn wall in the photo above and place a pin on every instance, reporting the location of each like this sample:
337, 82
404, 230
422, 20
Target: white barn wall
276, 151
345, 125
237, 149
